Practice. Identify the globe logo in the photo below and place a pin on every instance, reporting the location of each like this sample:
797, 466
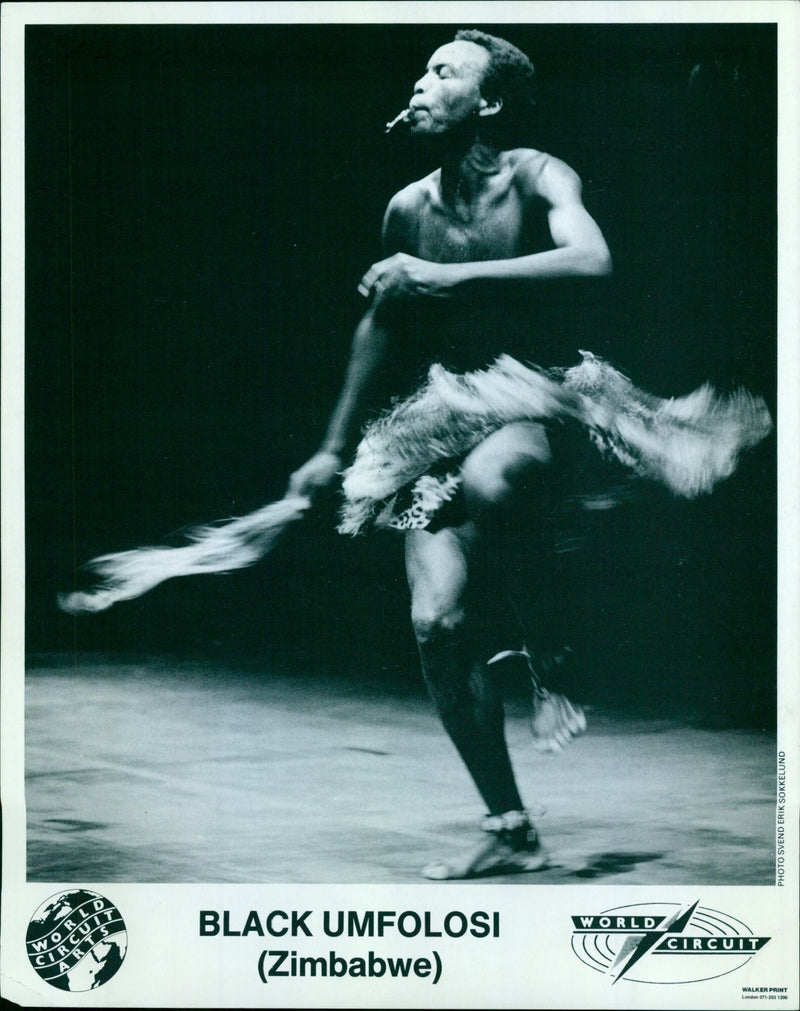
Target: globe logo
76, 940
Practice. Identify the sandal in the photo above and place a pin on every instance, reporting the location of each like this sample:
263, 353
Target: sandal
514, 849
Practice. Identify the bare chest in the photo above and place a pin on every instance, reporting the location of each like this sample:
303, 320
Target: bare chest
495, 228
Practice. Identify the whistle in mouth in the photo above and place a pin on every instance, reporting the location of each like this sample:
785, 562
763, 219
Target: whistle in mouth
397, 119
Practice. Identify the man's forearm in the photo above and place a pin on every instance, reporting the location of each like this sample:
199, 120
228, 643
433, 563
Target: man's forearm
554, 264
366, 356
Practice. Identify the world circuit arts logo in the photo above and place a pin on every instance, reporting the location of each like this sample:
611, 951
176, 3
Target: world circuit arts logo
663, 942
76, 940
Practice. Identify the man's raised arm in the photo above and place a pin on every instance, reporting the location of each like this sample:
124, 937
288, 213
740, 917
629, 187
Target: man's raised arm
581, 250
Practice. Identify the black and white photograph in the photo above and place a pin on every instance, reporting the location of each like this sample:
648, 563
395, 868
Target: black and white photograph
396, 504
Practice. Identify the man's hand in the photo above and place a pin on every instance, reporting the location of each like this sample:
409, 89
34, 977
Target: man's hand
407, 277
316, 475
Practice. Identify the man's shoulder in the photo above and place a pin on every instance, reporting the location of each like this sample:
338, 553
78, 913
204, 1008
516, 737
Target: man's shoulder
539, 174
405, 211
415, 196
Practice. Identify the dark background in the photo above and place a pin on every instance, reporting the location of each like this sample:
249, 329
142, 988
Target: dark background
201, 203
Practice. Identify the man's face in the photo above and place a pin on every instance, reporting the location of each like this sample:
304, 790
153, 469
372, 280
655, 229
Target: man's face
449, 92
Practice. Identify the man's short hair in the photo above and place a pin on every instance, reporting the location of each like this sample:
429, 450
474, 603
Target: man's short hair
509, 76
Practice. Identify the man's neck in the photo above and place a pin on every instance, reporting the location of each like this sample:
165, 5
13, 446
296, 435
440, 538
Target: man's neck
466, 170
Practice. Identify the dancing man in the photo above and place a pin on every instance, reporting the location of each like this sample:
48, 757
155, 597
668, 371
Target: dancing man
470, 252
489, 458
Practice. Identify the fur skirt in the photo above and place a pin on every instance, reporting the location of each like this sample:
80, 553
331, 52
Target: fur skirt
406, 467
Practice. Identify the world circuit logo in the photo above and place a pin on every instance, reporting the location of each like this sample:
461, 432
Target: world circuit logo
76, 940
633, 942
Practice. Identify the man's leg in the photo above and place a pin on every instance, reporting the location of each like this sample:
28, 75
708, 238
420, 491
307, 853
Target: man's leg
509, 495
467, 699
513, 492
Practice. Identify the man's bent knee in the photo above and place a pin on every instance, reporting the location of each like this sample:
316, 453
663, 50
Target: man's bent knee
492, 488
504, 465
433, 624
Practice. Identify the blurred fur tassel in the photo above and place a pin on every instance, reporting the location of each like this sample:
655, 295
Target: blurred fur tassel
220, 547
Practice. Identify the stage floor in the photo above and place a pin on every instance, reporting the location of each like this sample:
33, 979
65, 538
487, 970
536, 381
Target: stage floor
159, 771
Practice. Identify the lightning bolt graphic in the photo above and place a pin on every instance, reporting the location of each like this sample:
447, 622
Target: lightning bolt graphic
673, 926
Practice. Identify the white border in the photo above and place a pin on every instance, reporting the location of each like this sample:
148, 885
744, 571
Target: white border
542, 947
